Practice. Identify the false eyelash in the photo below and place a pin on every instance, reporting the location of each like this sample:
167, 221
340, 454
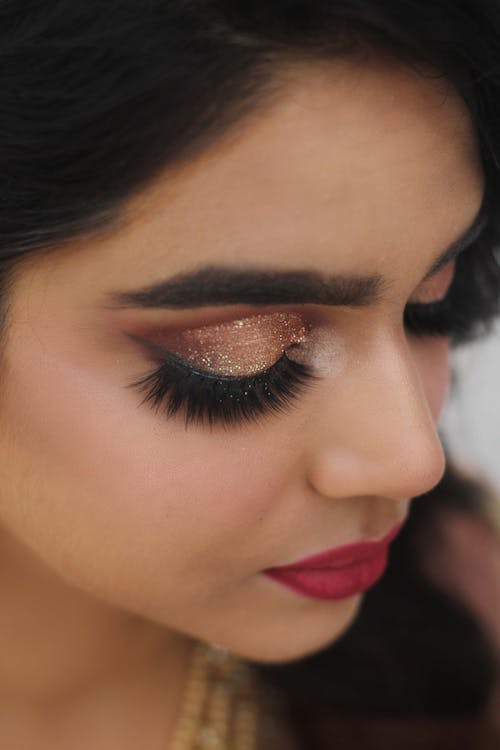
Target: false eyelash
210, 398
434, 319
440, 319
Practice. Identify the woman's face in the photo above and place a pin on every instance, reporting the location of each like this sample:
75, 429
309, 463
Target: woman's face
356, 171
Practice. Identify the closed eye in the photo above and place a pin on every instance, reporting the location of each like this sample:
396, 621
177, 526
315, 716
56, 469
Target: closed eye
207, 398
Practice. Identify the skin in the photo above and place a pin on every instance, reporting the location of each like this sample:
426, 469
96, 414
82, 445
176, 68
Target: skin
121, 533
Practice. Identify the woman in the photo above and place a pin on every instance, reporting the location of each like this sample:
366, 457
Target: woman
238, 242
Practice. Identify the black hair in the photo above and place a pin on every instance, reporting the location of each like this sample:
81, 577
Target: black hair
98, 97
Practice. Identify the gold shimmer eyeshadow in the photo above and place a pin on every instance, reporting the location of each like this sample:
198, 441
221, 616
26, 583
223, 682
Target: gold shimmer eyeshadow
239, 347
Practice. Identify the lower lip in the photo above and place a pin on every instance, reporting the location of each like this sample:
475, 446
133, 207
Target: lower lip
334, 583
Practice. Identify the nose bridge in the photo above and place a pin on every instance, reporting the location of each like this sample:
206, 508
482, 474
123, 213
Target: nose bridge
387, 443
399, 397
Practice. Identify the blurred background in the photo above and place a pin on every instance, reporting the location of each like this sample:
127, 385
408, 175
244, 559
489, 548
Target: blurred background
470, 422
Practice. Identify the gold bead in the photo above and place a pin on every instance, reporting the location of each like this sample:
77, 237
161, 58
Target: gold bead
209, 739
219, 709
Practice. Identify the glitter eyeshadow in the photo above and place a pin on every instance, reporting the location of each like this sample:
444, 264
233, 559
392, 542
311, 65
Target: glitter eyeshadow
239, 347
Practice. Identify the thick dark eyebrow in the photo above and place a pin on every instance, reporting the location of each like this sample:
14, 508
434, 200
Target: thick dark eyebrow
218, 285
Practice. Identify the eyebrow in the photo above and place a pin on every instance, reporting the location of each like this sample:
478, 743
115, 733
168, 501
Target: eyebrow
219, 285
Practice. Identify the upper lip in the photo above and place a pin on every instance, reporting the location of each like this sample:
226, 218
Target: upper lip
347, 554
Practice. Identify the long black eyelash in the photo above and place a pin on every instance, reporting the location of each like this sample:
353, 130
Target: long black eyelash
439, 319
209, 399
434, 319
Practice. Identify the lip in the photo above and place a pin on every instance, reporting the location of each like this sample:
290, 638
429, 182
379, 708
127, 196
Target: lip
338, 572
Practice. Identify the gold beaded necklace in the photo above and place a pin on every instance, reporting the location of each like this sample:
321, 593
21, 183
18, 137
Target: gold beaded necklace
219, 710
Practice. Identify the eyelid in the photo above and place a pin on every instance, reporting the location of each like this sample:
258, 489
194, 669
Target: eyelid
436, 288
237, 348
225, 401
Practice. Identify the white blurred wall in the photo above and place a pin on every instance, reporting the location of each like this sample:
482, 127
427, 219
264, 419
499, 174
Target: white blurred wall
471, 420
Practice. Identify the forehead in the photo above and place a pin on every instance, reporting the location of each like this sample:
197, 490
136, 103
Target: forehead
356, 167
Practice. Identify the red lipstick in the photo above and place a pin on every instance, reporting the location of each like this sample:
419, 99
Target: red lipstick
339, 572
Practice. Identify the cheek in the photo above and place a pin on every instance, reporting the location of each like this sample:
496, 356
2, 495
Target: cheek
433, 360
117, 497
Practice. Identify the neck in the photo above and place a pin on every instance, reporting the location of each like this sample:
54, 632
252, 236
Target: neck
76, 672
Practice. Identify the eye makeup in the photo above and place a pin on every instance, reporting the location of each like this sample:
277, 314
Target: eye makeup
239, 370
239, 347
230, 372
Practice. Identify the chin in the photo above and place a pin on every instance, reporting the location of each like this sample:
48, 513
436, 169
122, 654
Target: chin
303, 636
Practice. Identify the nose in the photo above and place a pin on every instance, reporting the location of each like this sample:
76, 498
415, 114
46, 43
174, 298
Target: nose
373, 431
